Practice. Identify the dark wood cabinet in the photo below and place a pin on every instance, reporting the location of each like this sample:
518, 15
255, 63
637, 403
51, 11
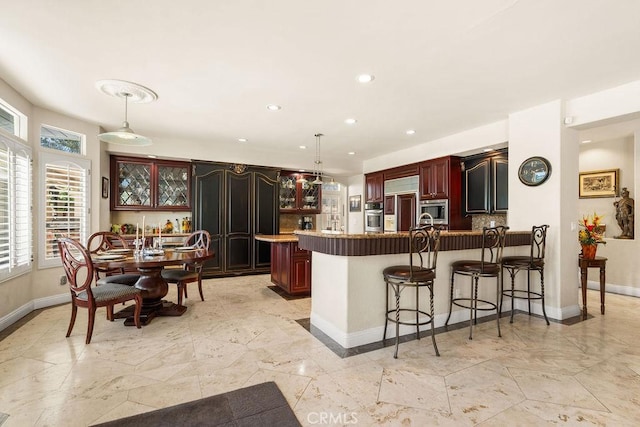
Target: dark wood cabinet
234, 203
374, 187
298, 193
436, 177
291, 268
486, 184
140, 184
406, 217
390, 205
441, 178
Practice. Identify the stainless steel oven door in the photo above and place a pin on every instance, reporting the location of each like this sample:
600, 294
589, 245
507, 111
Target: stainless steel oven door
374, 221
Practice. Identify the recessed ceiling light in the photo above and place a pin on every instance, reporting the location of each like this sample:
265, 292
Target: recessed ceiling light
351, 121
586, 141
303, 147
302, 170
273, 107
365, 78
351, 153
242, 139
486, 150
410, 132
152, 156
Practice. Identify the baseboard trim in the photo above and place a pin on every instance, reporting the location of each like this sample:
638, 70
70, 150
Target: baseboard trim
32, 305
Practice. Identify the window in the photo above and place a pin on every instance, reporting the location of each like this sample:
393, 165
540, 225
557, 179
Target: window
64, 203
15, 207
61, 140
12, 121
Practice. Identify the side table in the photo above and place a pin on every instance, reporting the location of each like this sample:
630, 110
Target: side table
585, 264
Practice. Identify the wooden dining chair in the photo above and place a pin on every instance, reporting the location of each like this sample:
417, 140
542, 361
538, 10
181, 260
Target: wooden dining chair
104, 241
190, 272
79, 269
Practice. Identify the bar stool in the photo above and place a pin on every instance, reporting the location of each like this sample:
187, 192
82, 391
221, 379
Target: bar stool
535, 261
424, 242
488, 265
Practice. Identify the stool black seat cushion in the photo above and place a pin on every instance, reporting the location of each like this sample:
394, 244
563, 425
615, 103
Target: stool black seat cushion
476, 267
403, 273
420, 272
533, 262
522, 261
122, 279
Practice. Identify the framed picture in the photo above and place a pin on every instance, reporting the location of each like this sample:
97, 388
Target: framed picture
354, 203
105, 188
604, 183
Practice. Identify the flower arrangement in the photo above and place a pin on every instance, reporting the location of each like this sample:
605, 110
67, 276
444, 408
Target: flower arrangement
591, 232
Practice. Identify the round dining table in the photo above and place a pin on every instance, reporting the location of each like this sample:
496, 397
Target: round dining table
153, 286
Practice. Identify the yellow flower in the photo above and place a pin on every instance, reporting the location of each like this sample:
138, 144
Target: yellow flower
591, 232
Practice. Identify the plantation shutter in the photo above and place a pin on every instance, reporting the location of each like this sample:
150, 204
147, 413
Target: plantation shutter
66, 204
15, 208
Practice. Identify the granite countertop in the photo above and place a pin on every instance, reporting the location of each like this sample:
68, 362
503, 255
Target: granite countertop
277, 238
395, 235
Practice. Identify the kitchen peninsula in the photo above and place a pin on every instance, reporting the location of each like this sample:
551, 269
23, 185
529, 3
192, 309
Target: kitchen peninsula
348, 294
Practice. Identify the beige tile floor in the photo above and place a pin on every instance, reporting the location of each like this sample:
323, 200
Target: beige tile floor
243, 334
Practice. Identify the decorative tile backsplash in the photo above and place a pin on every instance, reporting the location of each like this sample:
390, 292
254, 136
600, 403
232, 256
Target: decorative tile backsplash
479, 221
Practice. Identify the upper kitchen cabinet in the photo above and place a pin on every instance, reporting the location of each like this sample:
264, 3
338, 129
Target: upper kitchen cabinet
140, 184
486, 183
374, 187
298, 193
440, 178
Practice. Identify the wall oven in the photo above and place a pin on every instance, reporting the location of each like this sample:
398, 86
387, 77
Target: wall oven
373, 218
438, 209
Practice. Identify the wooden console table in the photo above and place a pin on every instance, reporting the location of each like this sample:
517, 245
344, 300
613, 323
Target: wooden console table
585, 264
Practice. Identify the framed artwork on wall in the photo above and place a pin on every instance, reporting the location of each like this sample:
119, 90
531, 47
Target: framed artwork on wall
354, 203
602, 183
105, 187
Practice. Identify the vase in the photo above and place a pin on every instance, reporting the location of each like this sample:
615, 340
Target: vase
589, 251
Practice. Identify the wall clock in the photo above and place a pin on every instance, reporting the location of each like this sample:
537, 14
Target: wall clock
534, 171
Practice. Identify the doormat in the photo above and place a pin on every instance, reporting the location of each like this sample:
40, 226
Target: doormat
278, 290
258, 405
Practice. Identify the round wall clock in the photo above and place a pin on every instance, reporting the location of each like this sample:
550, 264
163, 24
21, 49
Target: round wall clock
534, 171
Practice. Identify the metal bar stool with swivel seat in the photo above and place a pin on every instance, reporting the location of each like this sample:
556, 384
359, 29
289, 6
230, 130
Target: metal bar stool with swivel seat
493, 239
535, 262
424, 242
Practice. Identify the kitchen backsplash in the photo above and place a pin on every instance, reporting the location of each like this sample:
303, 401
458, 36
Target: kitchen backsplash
479, 221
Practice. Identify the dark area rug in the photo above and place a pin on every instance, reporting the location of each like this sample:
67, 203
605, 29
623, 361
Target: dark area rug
258, 405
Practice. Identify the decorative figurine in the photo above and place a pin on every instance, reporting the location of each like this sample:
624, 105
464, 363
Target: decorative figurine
624, 214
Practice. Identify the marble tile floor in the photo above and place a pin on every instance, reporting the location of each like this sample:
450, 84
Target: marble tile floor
587, 373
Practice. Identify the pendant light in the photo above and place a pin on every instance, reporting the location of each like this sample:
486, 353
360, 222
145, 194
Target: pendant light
317, 163
129, 91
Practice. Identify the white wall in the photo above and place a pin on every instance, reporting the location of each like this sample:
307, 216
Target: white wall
623, 271
355, 223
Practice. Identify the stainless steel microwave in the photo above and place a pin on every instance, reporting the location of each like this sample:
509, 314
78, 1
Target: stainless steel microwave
438, 209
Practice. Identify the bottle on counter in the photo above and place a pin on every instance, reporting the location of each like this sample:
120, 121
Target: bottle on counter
168, 227
177, 228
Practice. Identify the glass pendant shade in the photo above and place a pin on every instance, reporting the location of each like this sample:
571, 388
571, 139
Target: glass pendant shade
317, 163
123, 89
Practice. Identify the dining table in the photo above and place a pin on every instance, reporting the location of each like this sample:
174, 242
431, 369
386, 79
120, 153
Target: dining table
154, 287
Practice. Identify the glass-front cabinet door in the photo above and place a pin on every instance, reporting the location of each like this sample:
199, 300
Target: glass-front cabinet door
299, 194
140, 184
133, 180
173, 186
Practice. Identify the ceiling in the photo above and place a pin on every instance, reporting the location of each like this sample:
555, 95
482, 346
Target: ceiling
440, 67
